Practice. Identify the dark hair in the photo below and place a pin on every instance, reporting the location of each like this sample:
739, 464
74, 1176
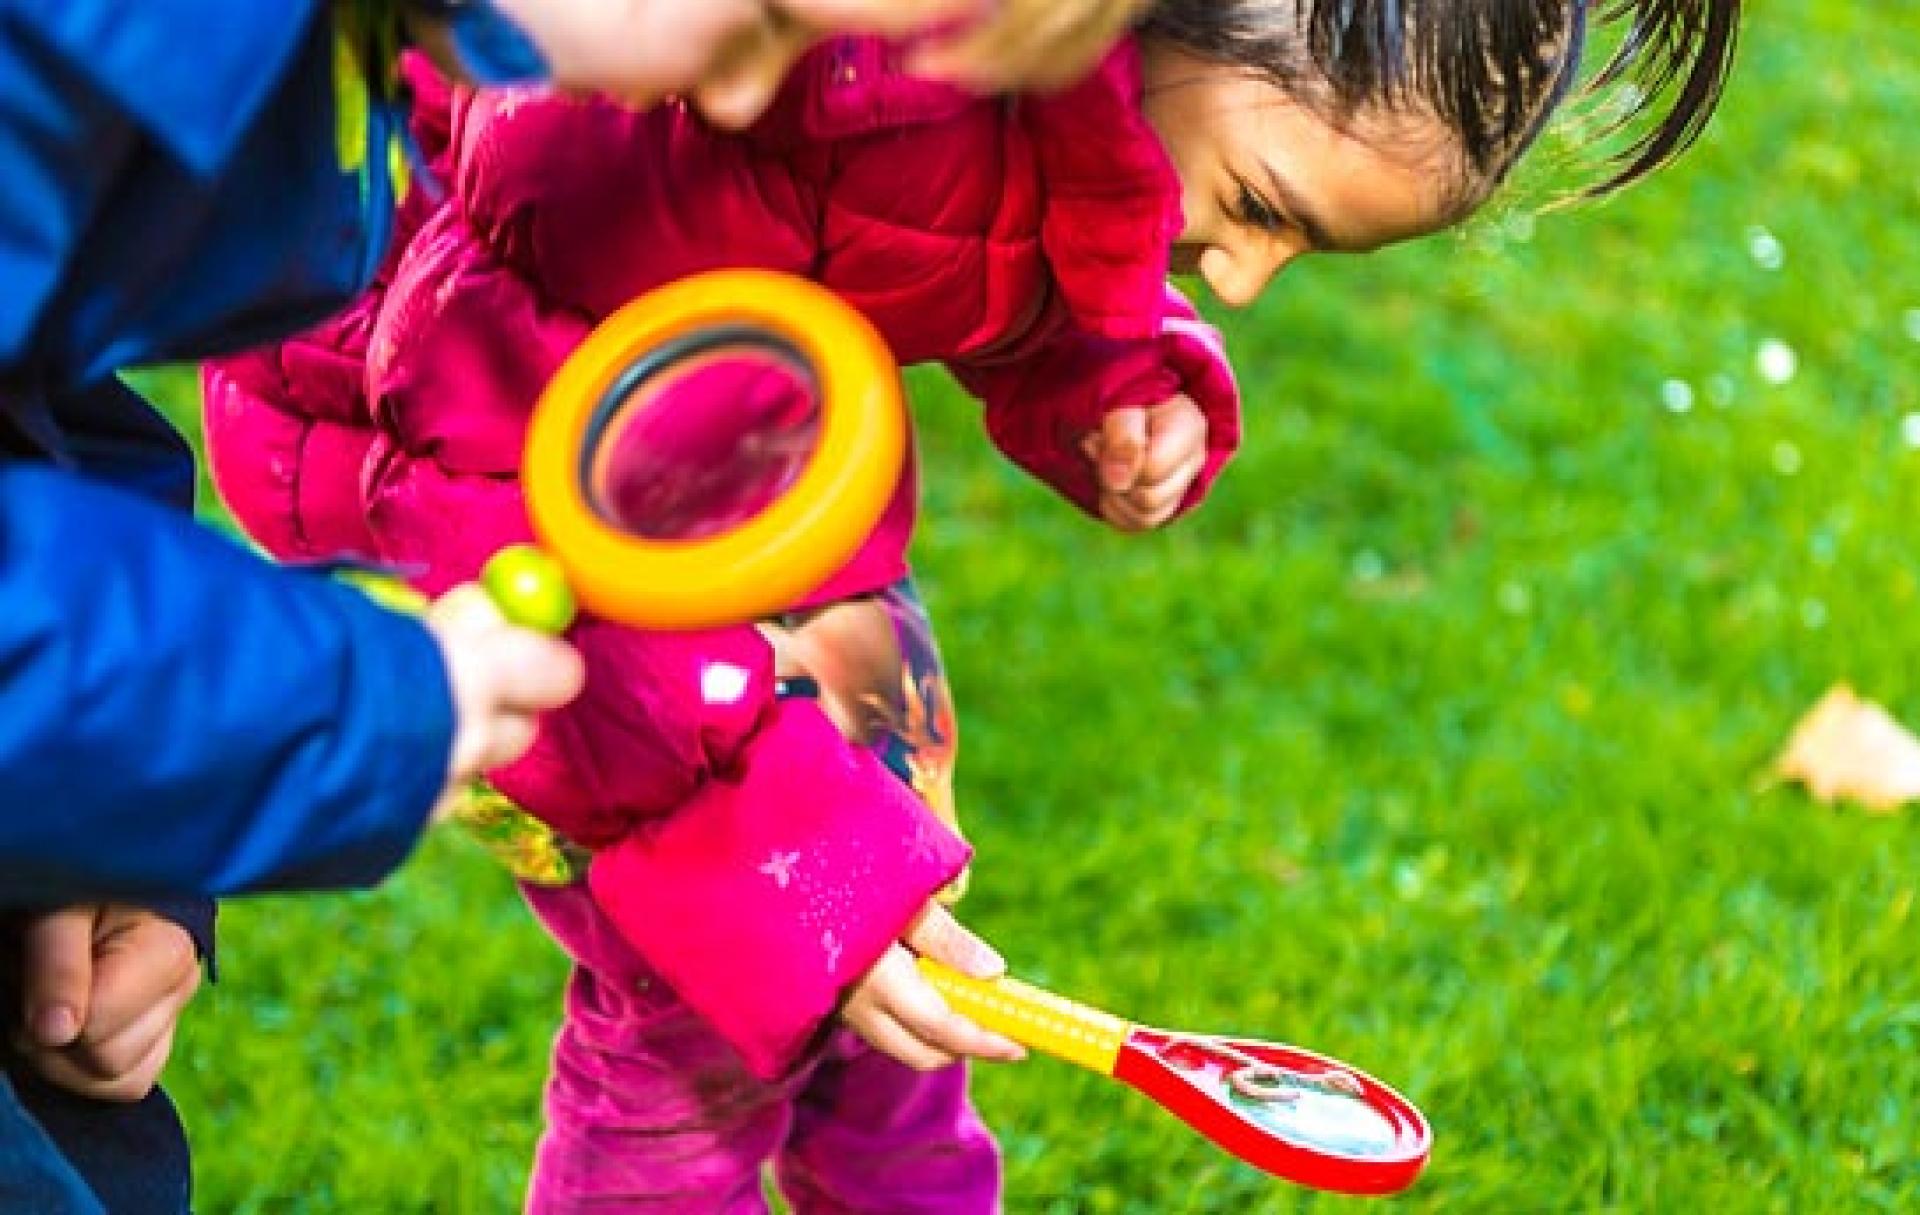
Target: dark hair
1493, 71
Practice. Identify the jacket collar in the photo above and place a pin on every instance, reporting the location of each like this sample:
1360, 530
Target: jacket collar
1112, 209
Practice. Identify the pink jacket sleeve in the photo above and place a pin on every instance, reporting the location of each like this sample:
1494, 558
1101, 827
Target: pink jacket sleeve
287, 426
1040, 406
283, 424
743, 847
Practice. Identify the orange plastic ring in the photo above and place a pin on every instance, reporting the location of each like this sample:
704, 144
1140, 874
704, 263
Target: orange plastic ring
802, 538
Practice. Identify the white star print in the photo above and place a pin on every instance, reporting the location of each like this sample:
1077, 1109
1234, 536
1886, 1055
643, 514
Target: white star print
779, 867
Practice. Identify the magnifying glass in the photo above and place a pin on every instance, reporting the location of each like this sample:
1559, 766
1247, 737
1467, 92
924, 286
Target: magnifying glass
714, 451
1295, 1114
711, 454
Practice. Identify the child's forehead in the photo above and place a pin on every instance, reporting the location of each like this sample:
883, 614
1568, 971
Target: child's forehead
1421, 138
1485, 74
1405, 142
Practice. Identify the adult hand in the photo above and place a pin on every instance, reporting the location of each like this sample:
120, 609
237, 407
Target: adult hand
898, 1012
103, 986
1031, 44
1147, 460
502, 678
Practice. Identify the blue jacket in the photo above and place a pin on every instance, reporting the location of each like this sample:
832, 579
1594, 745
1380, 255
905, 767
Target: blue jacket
177, 717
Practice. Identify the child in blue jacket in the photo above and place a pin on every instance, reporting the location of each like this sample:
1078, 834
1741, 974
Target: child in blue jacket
174, 185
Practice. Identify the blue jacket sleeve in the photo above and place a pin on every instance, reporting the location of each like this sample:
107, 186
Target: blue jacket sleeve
179, 718
194, 72
492, 49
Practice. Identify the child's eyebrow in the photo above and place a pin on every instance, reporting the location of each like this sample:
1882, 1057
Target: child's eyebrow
1297, 210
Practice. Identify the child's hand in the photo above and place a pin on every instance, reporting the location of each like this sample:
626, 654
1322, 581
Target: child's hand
1031, 44
898, 1013
102, 987
502, 678
1146, 460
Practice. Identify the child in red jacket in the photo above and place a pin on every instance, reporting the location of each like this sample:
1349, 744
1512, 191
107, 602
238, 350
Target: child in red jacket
736, 833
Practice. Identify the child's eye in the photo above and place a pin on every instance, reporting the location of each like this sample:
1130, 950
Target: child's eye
1256, 212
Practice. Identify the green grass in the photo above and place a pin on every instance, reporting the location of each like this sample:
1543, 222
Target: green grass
1432, 743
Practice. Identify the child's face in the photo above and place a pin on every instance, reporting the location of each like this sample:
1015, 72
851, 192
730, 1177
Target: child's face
738, 53
726, 57
1264, 179
853, 650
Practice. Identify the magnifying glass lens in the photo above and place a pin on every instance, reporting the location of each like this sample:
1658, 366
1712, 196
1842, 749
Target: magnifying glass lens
1317, 1116
702, 436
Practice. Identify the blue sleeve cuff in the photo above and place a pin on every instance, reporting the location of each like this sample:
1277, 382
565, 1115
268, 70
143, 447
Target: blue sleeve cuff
408, 705
196, 916
493, 49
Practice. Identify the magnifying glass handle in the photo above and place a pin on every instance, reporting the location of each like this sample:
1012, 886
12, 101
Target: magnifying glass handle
530, 589
527, 585
1034, 1017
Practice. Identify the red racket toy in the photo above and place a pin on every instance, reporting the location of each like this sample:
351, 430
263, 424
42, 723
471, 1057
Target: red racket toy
1297, 1115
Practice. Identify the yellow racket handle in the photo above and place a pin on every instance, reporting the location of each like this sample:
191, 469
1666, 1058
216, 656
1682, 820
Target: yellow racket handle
1034, 1017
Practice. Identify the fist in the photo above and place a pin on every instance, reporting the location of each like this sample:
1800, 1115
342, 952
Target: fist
1146, 460
103, 987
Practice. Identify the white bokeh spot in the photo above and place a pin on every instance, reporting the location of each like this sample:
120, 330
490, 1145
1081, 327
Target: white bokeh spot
1776, 361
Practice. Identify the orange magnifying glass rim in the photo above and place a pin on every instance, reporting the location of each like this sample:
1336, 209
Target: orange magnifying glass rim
773, 560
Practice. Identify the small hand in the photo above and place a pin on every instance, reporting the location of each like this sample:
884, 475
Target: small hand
1031, 44
502, 678
103, 987
899, 1013
1146, 460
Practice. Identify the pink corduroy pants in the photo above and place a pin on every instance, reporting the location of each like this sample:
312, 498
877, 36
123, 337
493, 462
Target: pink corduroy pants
649, 1111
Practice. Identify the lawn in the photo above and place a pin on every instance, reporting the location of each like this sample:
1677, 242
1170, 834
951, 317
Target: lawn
1435, 742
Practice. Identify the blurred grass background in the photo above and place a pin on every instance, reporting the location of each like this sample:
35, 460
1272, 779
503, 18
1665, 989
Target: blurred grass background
1433, 743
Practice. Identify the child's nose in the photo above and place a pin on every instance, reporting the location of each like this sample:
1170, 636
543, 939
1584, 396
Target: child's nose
745, 75
733, 101
1238, 277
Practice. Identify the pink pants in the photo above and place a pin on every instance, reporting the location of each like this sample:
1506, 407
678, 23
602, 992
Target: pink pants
648, 1111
